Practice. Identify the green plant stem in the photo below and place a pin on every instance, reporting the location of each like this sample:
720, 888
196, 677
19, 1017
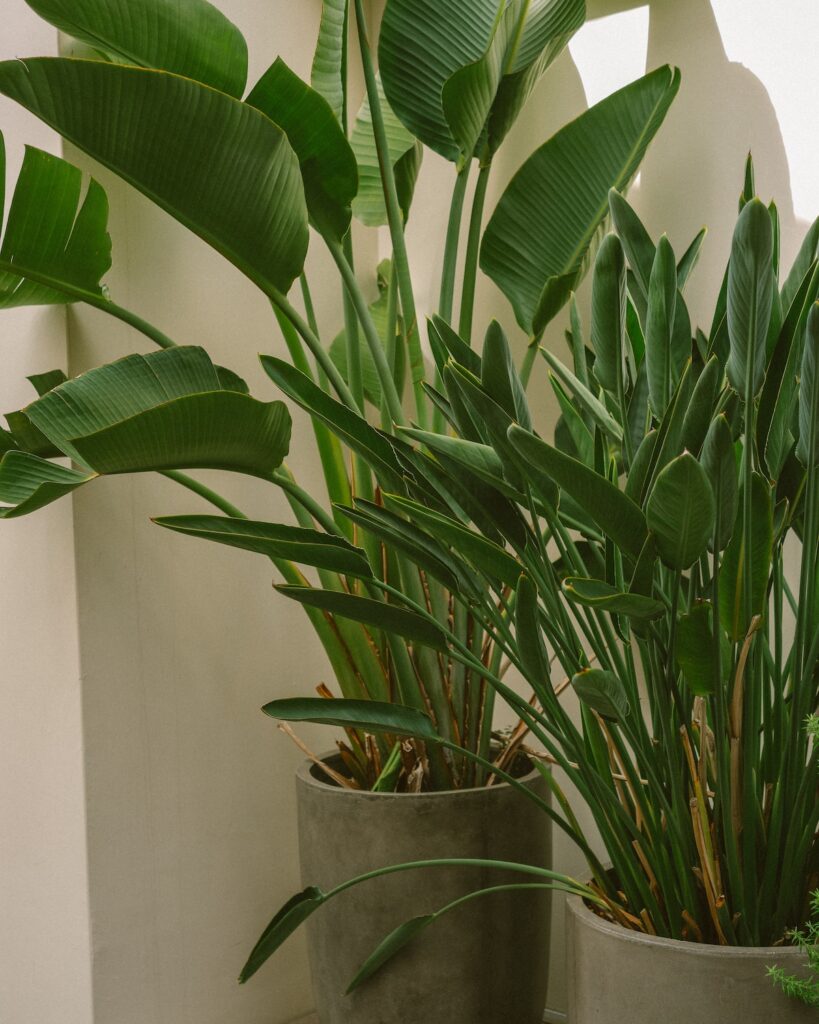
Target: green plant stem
529, 359
353, 343
205, 492
395, 218
473, 248
453, 236
371, 335
284, 479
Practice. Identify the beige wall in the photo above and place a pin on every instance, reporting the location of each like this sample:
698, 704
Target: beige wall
44, 941
190, 813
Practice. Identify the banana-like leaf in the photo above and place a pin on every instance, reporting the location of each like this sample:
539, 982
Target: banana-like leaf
329, 72
293, 914
168, 410
736, 562
609, 313
52, 232
613, 512
680, 512
292, 543
601, 595
603, 692
398, 621
807, 450
328, 165
406, 154
365, 715
217, 165
750, 297
536, 245
190, 38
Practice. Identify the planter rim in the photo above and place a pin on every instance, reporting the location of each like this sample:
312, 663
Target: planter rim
307, 775
576, 906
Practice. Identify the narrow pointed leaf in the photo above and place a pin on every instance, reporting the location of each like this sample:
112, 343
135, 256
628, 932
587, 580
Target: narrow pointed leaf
533, 654
176, 141
750, 293
192, 38
661, 362
720, 465
500, 378
537, 244
807, 450
584, 397
367, 715
609, 313
807, 255
293, 914
389, 947
690, 258
639, 248
737, 562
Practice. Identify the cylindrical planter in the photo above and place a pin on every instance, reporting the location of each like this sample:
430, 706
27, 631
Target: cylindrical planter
486, 962
617, 976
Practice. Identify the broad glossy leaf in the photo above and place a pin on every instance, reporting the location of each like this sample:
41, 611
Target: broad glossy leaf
406, 154
52, 232
536, 244
601, 595
490, 558
609, 313
328, 166
307, 547
636, 241
720, 465
614, 513
293, 914
351, 428
29, 483
662, 360
750, 294
389, 947
736, 562
807, 450
187, 37
397, 621
695, 650
680, 512
367, 715
603, 692
177, 142
329, 73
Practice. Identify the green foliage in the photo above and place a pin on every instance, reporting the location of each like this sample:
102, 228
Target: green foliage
805, 989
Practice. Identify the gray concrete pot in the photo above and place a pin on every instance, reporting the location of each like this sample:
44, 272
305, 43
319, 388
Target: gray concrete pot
486, 963
616, 976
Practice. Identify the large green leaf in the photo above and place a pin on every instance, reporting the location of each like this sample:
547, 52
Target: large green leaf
168, 410
405, 152
187, 37
329, 72
328, 166
720, 465
536, 245
750, 296
307, 547
53, 233
609, 313
680, 512
663, 363
217, 165
615, 513
737, 563
808, 448
397, 621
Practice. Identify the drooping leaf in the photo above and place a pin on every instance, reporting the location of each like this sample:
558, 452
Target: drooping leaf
406, 154
807, 450
609, 313
601, 595
293, 914
536, 244
329, 72
680, 512
307, 547
603, 692
750, 294
614, 513
397, 621
328, 165
56, 244
190, 38
29, 483
366, 715
736, 563
389, 947
176, 141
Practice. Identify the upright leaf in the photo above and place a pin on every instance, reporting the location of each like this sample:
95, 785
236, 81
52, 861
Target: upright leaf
807, 255
191, 38
750, 295
536, 244
680, 512
720, 465
662, 361
329, 73
808, 447
177, 142
636, 241
609, 313
499, 376
737, 563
